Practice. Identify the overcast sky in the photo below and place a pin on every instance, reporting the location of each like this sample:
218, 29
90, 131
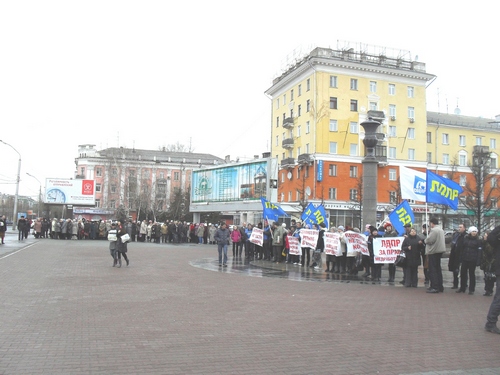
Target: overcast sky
147, 74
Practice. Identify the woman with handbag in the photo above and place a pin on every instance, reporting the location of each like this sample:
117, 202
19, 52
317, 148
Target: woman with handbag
121, 243
412, 246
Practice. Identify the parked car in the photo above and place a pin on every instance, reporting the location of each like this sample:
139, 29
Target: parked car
448, 234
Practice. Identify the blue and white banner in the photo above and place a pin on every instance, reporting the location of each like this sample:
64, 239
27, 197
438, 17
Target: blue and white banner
412, 184
442, 190
401, 216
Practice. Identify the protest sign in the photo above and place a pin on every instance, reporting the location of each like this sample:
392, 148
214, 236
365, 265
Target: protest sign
332, 244
257, 236
385, 250
309, 238
356, 242
294, 249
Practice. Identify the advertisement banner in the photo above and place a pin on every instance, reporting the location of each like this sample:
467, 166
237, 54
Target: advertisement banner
385, 250
294, 249
257, 236
356, 242
232, 183
332, 244
68, 191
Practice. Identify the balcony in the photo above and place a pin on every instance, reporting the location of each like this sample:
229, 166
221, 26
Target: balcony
287, 143
288, 123
305, 159
287, 163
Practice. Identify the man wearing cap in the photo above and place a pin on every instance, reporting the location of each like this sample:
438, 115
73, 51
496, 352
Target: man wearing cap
434, 249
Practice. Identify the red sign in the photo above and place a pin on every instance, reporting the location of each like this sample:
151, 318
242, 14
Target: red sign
88, 187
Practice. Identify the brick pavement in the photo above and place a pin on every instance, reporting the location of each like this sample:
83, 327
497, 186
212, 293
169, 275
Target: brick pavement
65, 310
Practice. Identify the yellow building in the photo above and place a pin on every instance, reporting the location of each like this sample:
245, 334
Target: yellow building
318, 104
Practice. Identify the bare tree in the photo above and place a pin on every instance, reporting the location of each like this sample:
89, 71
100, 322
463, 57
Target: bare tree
176, 147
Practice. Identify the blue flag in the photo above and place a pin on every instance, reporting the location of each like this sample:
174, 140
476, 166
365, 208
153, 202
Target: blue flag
442, 190
272, 211
315, 215
401, 215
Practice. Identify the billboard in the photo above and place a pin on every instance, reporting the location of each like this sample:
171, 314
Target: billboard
232, 183
68, 191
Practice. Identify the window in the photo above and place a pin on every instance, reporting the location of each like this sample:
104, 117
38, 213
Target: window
461, 140
333, 147
298, 151
277, 103
494, 182
291, 113
308, 127
353, 171
298, 173
307, 148
114, 171
446, 159
411, 112
429, 137
392, 110
308, 105
97, 188
392, 152
332, 170
112, 204
131, 173
479, 141
283, 136
97, 203
411, 133
284, 99
353, 149
462, 160
300, 90
306, 172
445, 139
333, 125
299, 110
463, 180
333, 81
82, 171
278, 122
393, 197
373, 86
333, 102
282, 177
277, 140
298, 130
353, 195
113, 188
494, 203
354, 105
308, 84
289, 196
176, 176
291, 95
411, 92
493, 162
493, 143
392, 89
353, 127
98, 172
392, 174
429, 157
411, 154
373, 106
332, 193
392, 131
354, 84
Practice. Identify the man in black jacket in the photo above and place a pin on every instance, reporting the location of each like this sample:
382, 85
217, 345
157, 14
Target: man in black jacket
492, 317
454, 259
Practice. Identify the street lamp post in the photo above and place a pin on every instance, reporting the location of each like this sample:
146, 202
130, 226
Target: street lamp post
16, 198
39, 194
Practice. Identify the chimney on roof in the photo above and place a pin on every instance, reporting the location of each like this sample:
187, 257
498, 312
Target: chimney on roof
227, 159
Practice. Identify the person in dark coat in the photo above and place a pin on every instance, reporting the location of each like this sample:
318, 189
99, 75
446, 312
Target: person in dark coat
471, 256
454, 259
412, 247
390, 232
376, 267
494, 310
121, 247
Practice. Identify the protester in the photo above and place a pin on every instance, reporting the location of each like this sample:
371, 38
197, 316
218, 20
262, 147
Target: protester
434, 249
411, 247
454, 259
492, 317
235, 239
390, 232
470, 257
222, 237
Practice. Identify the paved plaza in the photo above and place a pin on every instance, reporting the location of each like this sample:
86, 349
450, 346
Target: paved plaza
66, 310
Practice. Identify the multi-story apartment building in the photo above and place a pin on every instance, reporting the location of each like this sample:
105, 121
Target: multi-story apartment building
137, 179
318, 104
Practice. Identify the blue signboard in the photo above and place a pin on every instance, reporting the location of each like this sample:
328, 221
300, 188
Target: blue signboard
319, 173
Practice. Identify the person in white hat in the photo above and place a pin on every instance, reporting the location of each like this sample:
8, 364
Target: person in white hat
471, 255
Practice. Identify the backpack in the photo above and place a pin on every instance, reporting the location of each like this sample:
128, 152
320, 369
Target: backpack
494, 237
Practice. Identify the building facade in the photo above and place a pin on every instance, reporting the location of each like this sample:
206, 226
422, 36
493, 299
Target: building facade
137, 180
318, 104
